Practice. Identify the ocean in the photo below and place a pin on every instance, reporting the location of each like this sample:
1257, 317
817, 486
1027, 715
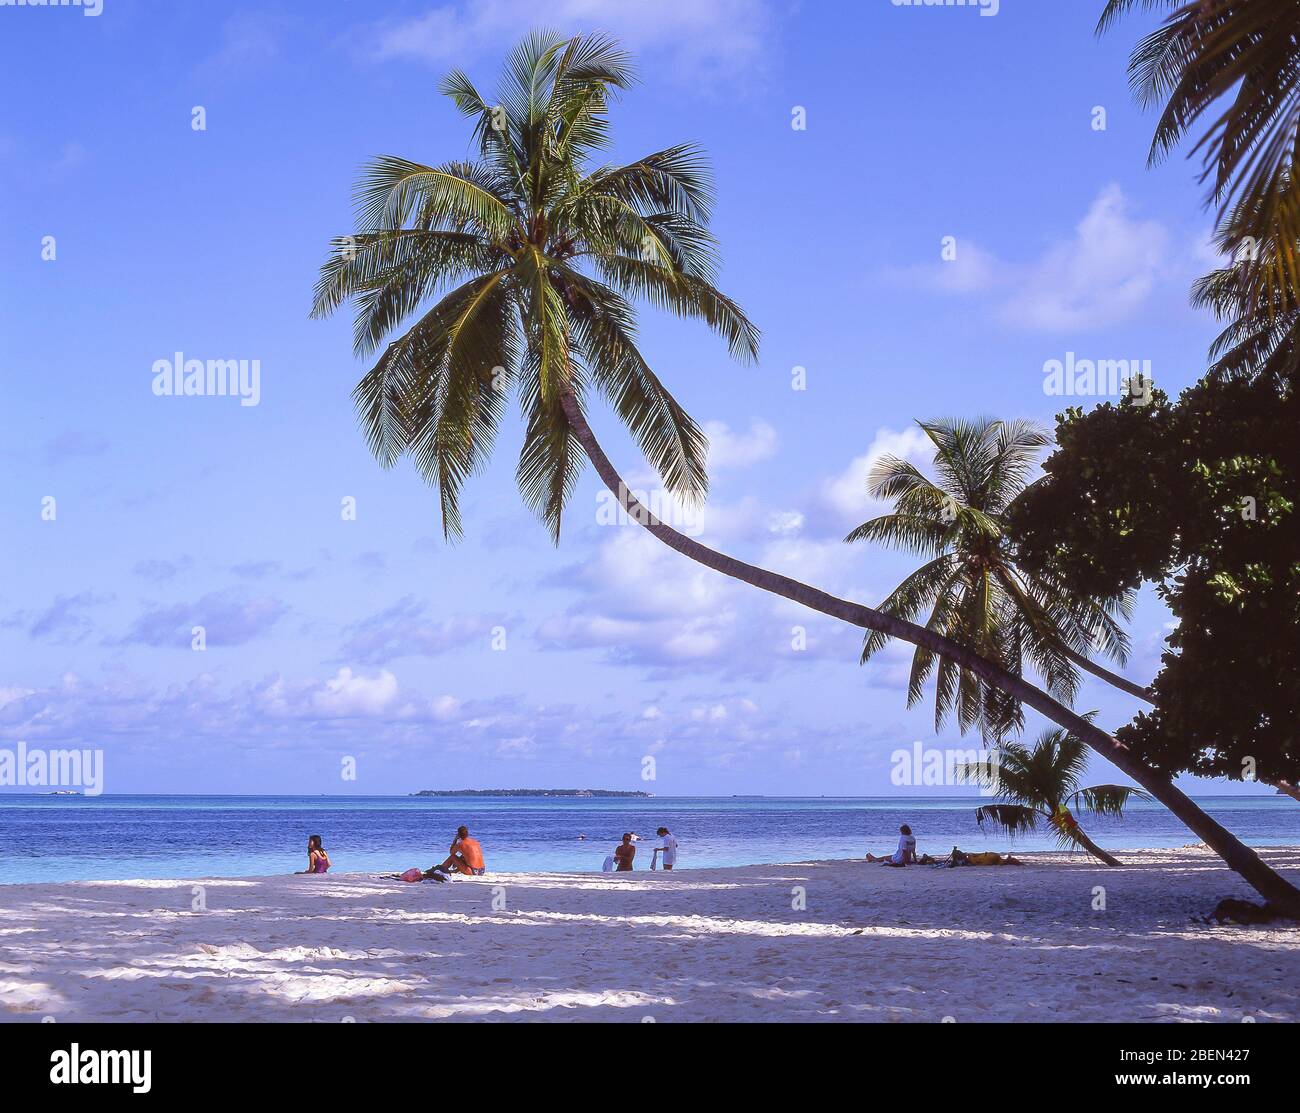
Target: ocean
61, 838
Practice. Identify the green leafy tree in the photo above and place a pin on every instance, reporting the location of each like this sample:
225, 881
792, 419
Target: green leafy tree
1198, 497
971, 586
533, 259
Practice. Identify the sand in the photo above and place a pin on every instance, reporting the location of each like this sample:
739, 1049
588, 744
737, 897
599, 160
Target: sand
804, 942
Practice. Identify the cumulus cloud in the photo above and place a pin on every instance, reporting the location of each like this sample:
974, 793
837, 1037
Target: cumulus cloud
845, 496
1101, 275
643, 604
728, 449
349, 694
701, 39
352, 712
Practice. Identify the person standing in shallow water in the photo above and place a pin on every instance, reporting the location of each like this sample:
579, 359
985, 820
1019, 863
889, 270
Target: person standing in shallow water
667, 847
624, 853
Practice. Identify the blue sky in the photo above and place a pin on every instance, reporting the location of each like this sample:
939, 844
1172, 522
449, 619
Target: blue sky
372, 639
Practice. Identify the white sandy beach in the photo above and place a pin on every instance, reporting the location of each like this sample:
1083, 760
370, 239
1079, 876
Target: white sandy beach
873, 944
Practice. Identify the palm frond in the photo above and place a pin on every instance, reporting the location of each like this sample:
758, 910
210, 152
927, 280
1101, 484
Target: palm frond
1014, 819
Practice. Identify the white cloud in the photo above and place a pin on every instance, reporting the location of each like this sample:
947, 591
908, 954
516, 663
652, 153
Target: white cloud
845, 494
348, 694
739, 450
1101, 275
709, 38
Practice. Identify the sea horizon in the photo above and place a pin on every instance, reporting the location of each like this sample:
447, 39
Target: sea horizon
137, 836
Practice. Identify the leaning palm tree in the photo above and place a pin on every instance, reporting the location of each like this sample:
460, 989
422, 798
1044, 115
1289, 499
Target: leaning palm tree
970, 584
1040, 784
532, 258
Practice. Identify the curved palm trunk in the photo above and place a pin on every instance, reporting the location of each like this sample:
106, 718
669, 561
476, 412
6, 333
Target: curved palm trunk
1285, 787
1113, 679
1267, 882
1081, 837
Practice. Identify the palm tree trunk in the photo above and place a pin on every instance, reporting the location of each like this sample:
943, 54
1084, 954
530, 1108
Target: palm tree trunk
1284, 787
1113, 679
1239, 857
1081, 837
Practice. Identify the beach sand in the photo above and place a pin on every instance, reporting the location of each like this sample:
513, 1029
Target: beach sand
871, 944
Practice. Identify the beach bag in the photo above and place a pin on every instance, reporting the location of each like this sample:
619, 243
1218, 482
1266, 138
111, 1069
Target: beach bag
413, 874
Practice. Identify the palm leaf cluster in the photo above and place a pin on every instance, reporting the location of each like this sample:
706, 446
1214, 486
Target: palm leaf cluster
1234, 66
521, 268
970, 589
1038, 784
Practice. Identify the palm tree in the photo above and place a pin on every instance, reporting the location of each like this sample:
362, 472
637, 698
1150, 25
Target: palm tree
970, 584
1245, 53
534, 257
1040, 784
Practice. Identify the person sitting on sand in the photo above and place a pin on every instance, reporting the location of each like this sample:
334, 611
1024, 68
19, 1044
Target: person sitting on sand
465, 856
624, 853
317, 860
982, 858
905, 853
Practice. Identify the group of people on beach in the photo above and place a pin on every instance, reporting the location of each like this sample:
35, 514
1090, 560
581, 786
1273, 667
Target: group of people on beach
465, 856
906, 855
625, 853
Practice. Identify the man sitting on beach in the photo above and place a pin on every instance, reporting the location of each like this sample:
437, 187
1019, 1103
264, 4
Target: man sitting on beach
624, 853
466, 856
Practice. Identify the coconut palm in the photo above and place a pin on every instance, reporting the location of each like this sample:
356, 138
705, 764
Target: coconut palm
970, 584
1039, 784
1239, 62
532, 259
546, 253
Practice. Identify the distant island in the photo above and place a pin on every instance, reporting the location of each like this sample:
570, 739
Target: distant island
593, 792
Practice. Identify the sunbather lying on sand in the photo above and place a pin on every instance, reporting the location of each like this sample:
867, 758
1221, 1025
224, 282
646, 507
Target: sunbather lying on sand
982, 858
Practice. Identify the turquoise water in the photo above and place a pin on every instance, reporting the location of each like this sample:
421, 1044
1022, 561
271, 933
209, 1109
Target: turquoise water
46, 838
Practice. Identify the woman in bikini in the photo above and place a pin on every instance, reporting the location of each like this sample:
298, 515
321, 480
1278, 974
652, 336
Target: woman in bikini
317, 860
